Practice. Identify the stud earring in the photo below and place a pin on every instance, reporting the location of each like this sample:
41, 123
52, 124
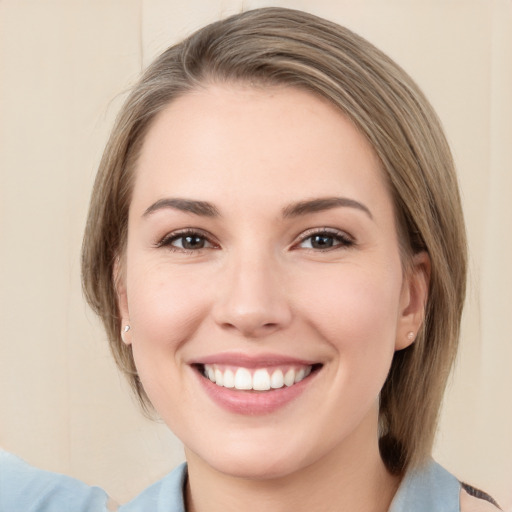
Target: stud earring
410, 336
126, 328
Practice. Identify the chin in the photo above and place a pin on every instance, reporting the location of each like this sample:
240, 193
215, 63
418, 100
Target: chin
254, 461
258, 467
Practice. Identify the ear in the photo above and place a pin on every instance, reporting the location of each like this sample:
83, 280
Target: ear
119, 278
413, 300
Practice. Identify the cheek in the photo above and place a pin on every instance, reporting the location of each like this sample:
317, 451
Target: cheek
359, 298
165, 309
164, 306
356, 310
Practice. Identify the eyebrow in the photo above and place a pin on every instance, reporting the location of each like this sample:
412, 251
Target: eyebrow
206, 209
321, 204
202, 208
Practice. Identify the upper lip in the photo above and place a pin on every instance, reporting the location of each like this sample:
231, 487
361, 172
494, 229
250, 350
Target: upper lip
252, 361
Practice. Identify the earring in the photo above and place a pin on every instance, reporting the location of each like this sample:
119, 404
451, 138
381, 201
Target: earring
126, 328
410, 336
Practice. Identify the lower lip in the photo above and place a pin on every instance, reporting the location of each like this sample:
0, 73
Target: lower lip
253, 403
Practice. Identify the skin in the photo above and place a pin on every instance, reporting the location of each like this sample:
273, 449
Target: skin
260, 285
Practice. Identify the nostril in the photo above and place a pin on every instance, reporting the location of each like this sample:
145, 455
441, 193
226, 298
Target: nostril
250, 327
250, 304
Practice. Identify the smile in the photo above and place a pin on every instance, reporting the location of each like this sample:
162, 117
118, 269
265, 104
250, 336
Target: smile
258, 379
254, 385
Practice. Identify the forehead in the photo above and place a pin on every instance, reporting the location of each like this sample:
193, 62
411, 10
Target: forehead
254, 144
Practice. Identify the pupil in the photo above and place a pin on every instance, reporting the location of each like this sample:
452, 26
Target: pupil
322, 241
193, 242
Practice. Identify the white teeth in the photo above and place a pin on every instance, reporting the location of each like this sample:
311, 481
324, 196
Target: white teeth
229, 379
260, 379
277, 380
243, 379
289, 378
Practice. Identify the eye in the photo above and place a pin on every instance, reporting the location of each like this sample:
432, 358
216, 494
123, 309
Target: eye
190, 242
325, 240
187, 241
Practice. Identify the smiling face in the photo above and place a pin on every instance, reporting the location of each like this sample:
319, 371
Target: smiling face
262, 254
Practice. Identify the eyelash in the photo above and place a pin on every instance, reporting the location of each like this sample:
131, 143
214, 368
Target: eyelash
341, 240
167, 241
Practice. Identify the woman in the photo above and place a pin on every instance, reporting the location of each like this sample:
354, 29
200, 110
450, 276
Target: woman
275, 245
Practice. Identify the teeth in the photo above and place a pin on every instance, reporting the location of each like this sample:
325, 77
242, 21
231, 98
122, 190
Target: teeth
299, 375
260, 380
289, 378
277, 380
243, 379
229, 379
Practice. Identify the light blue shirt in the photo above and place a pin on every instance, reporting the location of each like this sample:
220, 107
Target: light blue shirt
26, 489
430, 489
167, 495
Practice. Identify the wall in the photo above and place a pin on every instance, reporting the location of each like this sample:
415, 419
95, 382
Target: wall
64, 66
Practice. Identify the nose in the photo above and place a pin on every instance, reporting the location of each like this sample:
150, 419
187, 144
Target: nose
252, 299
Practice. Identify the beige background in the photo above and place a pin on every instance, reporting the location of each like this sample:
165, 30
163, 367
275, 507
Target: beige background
63, 65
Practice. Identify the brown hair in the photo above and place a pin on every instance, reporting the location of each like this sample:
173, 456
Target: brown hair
275, 46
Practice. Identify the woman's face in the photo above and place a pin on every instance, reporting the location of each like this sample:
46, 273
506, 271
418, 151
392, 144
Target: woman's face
263, 254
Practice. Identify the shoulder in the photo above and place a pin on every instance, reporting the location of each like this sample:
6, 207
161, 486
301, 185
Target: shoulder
23, 487
473, 500
167, 494
431, 487
426, 488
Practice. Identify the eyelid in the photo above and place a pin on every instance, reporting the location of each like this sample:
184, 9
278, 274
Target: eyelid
166, 240
346, 239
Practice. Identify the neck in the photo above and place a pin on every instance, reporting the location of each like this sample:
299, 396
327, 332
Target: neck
350, 478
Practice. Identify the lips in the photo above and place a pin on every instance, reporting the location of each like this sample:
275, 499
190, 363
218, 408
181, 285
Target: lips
249, 385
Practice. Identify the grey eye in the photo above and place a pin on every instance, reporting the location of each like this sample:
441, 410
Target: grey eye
190, 242
322, 241
325, 240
